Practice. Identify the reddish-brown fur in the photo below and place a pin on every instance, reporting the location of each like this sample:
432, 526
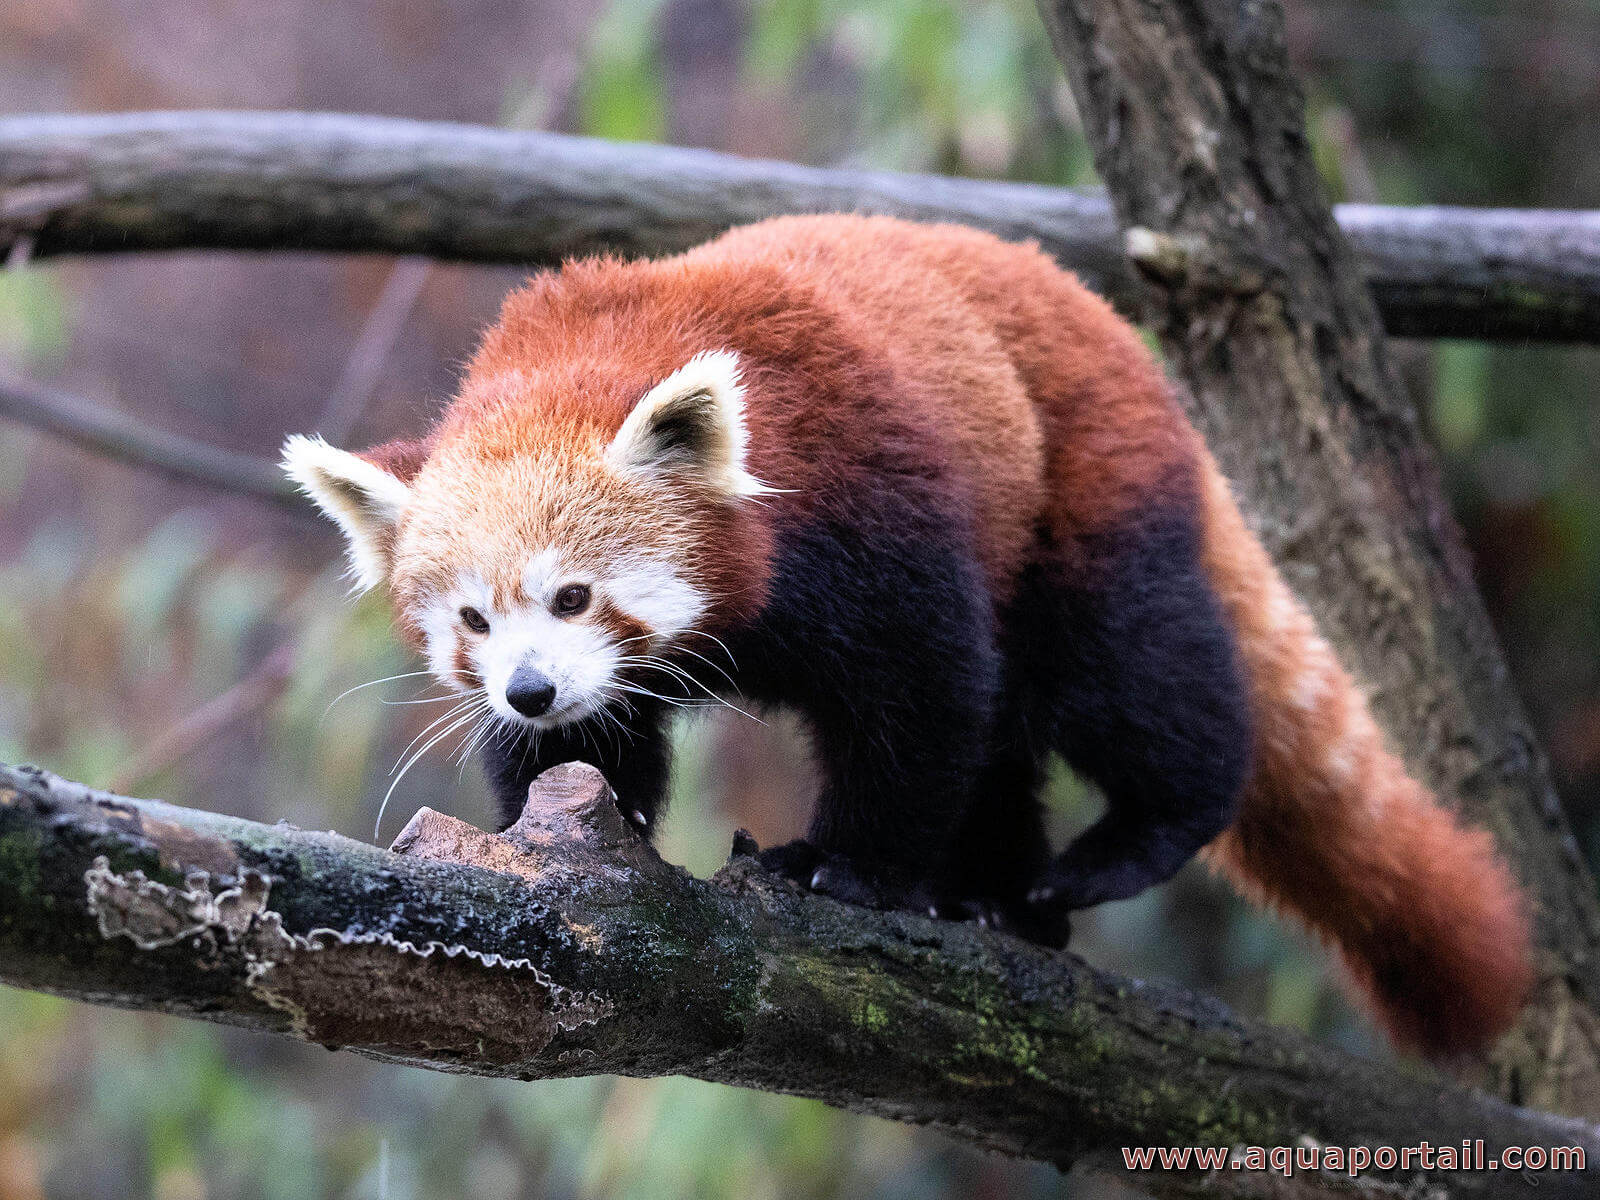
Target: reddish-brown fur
1425, 913
1045, 411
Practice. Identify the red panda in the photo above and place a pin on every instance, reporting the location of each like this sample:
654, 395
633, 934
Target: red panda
925, 488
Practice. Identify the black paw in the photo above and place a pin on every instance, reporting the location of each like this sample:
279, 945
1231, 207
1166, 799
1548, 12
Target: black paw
1067, 884
986, 912
1058, 890
852, 883
870, 885
1037, 924
844, 879
797, 860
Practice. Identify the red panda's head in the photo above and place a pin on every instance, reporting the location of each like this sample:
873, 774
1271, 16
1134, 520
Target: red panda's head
543, 558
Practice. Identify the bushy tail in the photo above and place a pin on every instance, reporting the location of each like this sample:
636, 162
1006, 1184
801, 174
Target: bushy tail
1427, 917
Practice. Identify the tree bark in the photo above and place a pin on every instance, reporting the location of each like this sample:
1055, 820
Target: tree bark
567, 947
1198, 130
167, 181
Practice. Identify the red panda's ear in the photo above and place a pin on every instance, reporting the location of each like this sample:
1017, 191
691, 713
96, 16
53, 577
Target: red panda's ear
691, 422
402, 458
363, 498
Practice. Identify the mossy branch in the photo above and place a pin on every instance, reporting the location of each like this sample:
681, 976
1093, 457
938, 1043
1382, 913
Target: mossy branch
567, 947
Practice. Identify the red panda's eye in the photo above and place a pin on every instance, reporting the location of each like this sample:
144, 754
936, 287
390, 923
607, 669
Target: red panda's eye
571, 600
474, 620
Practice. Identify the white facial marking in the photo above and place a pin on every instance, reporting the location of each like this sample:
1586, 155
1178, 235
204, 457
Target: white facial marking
441, 624
578, 654
577, 657
542, 576
655, 595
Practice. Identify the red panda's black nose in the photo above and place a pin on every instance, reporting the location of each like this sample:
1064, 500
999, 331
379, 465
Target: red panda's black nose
530, 692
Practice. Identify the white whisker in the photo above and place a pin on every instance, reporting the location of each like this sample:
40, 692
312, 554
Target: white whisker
673, 671
474, 740
460, 721
423, 700
464, 706
712, 665
371, 683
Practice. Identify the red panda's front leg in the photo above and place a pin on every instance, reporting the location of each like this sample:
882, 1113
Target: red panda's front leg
883, 638
634, 760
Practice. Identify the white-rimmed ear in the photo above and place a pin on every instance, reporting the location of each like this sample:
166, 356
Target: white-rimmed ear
692, 421
363, 499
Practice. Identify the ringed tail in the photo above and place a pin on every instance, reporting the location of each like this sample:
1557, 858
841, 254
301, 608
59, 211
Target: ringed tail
1424, 912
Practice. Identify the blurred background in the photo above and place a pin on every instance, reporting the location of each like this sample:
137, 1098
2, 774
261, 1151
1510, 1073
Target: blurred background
166, 640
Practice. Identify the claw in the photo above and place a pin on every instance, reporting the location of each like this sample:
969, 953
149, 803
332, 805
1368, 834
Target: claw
794, 860
639, 819
817, 877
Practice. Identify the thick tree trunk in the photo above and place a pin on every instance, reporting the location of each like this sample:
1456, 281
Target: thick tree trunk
567, 947
1198, 130
155, 181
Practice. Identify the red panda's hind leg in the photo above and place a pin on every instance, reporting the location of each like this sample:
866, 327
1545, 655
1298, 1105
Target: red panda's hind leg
1147, 699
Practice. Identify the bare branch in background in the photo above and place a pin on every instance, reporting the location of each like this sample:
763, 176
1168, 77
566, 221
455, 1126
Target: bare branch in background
113, 434
567, 947
379, 333
153, 181
257, 690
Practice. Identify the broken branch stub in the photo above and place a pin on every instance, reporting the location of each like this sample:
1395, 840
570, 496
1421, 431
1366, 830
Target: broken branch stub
570, 808
573, 803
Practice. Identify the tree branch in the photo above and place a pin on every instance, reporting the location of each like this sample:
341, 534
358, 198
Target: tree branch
1198, 129
149, 181
110, 433
567, 947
